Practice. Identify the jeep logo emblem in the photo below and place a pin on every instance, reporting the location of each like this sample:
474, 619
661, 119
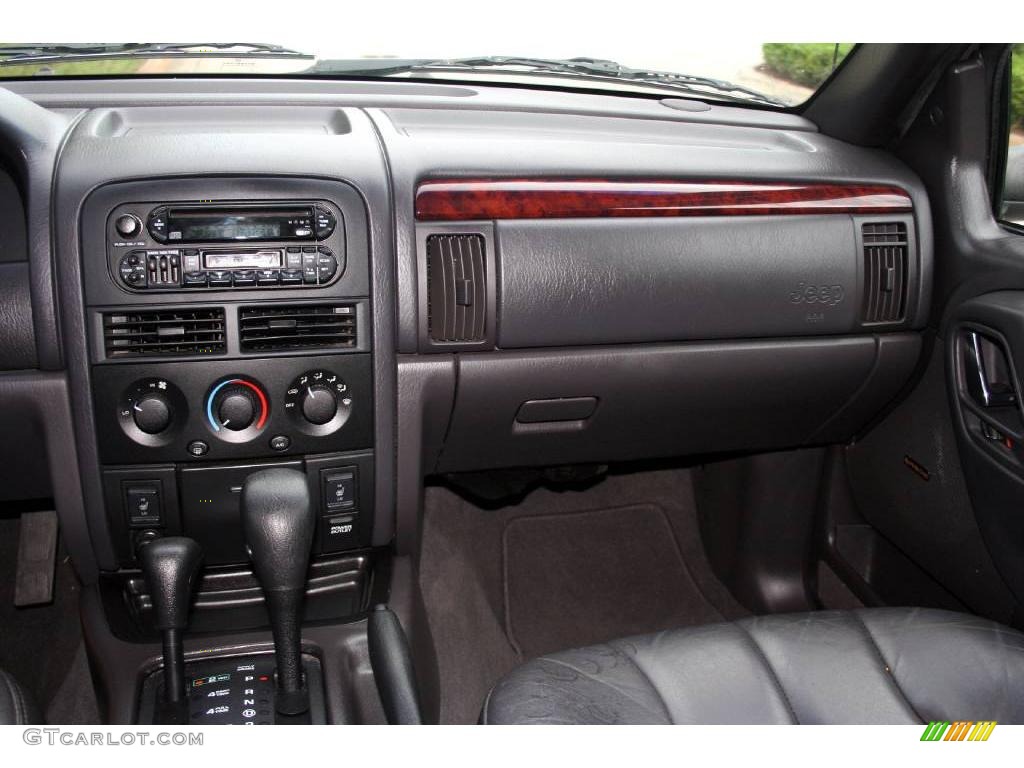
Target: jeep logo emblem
829, 295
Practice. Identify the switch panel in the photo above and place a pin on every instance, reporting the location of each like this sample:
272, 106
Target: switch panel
143, 504
339, 489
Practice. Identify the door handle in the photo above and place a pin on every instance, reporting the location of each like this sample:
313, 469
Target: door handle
987, 370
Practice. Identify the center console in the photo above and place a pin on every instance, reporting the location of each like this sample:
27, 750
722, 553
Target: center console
229, 332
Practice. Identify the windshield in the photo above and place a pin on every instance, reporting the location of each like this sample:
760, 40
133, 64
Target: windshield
774, 75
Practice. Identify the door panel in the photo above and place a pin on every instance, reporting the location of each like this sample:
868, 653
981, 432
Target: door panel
984, 349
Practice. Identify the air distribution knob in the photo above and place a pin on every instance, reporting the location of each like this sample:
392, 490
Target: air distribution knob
152, 412
319, 403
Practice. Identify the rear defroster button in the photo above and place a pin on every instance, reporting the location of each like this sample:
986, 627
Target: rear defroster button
198, 448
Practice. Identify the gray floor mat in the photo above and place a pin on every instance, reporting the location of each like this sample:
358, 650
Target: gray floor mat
75, 701
38, 643
557, 570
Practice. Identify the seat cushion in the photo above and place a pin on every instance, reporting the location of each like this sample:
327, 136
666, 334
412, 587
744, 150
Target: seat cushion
875, 665
15, 705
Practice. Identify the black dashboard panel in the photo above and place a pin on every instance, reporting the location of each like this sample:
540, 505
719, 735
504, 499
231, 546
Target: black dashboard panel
623, 339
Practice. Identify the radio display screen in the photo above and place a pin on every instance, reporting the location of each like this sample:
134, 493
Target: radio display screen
250, 260
230, 228
239, 223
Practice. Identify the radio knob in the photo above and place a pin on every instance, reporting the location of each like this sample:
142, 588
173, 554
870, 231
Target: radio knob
152, 413
319, 404
236, 408
128, 225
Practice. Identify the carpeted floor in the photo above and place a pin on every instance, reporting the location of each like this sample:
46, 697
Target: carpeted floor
42, 645
557, 570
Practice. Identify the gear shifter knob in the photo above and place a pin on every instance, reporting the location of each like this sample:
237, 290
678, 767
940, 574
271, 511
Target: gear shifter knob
278, 523
170, 566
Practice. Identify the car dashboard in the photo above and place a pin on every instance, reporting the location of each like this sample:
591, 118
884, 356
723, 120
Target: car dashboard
374, 283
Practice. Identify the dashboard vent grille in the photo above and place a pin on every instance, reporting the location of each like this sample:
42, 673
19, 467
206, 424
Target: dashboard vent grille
456, 288
147, 333
885, 271
300, 326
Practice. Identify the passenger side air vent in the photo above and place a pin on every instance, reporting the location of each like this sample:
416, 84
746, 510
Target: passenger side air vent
456, 288
300, 326
146, 333
885, 271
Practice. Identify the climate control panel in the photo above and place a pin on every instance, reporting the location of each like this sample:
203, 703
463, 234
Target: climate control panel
227, 409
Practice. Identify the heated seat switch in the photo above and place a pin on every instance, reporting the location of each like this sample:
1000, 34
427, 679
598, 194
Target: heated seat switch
142, 504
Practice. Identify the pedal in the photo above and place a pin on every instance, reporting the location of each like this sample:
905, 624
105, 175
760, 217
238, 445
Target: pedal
37, 558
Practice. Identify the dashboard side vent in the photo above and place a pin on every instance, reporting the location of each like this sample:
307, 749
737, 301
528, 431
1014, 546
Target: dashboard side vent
456, 288
299, 326
147, 333
885, 271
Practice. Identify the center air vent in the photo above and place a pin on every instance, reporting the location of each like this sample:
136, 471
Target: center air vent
456, 288
885, 272
300, 326
146, 333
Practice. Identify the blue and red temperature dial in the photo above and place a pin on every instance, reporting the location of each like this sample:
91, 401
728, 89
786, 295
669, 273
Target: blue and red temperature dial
236, 408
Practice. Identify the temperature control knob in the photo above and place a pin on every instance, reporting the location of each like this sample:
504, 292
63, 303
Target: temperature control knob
318, 402
236, 409
152, 412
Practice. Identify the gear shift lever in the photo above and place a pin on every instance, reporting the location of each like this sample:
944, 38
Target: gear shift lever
278, 522
170, 566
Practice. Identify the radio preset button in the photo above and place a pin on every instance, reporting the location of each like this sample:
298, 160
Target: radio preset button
220, 279
291, 277
267, 276
195, 279
244, 278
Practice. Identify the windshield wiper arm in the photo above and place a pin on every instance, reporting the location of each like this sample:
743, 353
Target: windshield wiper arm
582, 67
29, 54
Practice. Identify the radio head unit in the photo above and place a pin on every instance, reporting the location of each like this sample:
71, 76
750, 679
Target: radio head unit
220, 245
218, 224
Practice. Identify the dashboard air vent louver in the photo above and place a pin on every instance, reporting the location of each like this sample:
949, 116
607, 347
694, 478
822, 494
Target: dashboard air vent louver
456, 288
299, 326
146, 333
885, 271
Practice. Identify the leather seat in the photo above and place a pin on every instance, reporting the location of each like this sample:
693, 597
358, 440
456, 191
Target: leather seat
15, 705
880, 665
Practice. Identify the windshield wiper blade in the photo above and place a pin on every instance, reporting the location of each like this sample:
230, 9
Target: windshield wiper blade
583, 68
30, 54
